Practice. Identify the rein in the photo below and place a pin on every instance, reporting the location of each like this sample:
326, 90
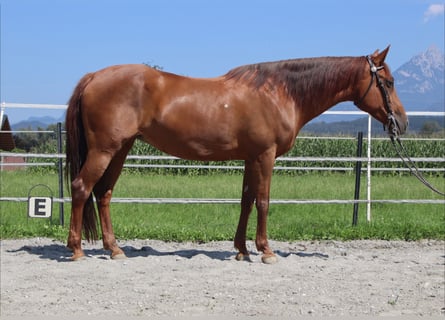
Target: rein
393, 127
409, 163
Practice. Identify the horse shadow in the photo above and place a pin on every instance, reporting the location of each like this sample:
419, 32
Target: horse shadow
60, 253
302, 254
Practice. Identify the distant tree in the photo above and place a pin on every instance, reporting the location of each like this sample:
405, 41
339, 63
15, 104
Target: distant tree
154, 66
25, 140
430, 127
36, 141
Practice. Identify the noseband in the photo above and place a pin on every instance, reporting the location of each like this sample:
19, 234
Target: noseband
391, 123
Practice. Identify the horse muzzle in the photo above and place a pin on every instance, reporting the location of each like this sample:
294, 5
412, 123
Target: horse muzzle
396, 124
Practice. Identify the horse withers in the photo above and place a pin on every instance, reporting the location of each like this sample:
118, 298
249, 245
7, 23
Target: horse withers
252, 113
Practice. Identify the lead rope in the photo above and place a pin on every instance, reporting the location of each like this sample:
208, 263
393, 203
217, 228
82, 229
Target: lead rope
409, 163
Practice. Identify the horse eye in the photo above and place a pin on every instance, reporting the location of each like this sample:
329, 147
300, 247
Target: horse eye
389, 84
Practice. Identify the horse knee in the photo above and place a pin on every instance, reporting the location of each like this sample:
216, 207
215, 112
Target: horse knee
262, 206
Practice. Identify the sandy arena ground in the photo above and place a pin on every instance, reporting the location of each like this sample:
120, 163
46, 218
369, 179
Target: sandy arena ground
181, 279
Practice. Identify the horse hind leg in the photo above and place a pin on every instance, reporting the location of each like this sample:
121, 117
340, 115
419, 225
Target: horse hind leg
81, 207
103, 191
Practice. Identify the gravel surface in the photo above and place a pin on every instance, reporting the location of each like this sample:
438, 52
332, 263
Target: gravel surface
327, 278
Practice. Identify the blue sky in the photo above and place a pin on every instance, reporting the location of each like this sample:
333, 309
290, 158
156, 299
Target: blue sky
46, 46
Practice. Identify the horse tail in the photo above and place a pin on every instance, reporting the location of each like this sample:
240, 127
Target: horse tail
76, 153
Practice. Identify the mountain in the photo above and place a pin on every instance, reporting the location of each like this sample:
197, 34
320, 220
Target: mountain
35, 123
420, 81
417, 125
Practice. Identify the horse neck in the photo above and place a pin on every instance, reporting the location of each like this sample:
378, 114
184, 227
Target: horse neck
324, 83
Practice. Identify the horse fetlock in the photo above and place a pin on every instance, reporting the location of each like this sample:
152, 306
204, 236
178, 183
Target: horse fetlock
78, 256
263, 245
115, 250
240, 245
74, 242
243, 257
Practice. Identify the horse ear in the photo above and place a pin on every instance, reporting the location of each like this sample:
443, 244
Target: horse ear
379, 58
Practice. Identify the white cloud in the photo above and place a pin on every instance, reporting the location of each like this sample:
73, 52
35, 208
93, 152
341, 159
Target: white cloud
433, 11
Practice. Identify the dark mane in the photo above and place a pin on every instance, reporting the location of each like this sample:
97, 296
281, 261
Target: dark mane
299, 75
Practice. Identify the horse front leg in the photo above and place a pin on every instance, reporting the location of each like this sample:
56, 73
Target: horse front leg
247, 200
256, 187
263, 179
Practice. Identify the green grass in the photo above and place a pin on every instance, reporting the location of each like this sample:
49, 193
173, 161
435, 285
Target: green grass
206, 222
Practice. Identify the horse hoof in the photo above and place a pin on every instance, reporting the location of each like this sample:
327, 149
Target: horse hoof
78, 257
119, 256
243, 257
269, 259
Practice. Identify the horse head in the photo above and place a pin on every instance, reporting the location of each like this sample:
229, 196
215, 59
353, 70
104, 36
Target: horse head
377, 95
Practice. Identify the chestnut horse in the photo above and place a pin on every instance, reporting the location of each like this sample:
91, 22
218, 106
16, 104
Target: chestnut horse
252, 113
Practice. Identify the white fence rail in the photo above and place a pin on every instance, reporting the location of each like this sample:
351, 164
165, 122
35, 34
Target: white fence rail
368, 159
277, 167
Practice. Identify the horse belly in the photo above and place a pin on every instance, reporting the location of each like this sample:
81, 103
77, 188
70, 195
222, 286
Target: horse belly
182, 144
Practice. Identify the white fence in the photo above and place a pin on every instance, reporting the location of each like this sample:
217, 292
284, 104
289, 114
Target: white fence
368, 159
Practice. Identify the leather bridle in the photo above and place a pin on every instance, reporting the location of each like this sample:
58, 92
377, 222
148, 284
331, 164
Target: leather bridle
391, 124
